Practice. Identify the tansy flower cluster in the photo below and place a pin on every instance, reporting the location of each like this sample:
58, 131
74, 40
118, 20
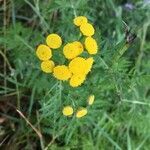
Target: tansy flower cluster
78, 67
80, 112
44, 52
87, 30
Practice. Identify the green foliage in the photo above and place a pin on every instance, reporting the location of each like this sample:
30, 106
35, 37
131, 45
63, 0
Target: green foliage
120, 80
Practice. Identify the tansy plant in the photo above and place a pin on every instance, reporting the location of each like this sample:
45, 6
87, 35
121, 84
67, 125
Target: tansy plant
78, 67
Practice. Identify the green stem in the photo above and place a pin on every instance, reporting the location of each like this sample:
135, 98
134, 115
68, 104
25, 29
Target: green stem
4, 28
139, 59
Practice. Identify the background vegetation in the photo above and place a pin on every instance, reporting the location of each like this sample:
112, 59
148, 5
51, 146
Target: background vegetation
120, 116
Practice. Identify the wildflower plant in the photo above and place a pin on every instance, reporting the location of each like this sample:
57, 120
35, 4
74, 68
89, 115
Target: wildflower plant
47, 101
78, 67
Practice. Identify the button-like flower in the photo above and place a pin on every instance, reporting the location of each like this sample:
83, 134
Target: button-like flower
91, 99
70, 51
47, 66
43, 52
76, 80
91, 45
78, 66
87, 29
81, 112
61, 72
54, 41
78, 21
67, 111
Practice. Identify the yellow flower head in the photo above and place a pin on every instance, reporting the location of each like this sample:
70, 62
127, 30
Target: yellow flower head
70, 51
78, 66
91, 45
91, 99
81, 112
67, 111
54, 41
47, 66
87, 29
78, 21
61, 72
89, 64
78, 46
77, 80
43, 52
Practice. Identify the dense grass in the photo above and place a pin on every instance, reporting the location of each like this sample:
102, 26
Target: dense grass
120, 116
